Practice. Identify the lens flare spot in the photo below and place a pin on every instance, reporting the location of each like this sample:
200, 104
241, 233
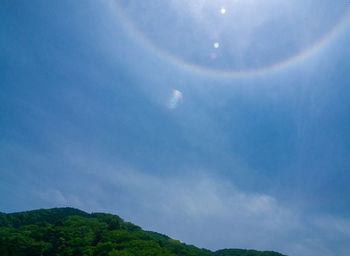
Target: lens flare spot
175, 98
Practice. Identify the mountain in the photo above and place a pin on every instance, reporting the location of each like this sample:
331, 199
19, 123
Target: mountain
72, 232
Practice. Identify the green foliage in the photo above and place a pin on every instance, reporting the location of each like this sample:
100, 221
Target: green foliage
3, 220
37, 216
71, 232
240, 252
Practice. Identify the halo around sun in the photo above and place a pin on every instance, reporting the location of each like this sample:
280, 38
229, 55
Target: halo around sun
244, 35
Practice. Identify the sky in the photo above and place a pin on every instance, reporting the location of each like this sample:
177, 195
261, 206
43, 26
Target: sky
222, 124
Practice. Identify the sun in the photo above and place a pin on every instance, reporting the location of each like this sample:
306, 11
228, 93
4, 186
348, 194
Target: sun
232, 36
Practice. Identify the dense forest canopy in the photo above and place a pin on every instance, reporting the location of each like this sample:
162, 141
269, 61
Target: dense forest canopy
69, 231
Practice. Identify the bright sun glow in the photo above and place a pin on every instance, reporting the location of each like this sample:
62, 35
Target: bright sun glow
237, 34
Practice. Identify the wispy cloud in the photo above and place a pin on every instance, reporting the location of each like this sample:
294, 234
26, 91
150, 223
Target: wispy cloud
207, 211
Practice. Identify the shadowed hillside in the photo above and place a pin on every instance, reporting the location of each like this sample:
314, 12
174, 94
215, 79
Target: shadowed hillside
70, 232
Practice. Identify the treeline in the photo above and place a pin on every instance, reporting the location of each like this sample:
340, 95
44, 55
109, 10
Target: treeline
72, 232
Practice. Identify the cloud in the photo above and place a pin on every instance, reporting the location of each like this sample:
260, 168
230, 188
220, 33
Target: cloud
252, 34
196, 207
55, 196
207, 211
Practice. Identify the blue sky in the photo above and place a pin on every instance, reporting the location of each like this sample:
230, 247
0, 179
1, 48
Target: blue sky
239, 159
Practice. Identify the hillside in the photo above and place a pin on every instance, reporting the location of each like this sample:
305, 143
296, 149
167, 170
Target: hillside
70, 232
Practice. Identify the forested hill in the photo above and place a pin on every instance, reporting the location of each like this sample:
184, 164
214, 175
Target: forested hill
72, 232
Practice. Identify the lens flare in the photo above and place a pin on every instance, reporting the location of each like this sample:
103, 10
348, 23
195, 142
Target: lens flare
243, 54
175, 98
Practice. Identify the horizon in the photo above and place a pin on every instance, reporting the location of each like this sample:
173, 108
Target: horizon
52, 219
